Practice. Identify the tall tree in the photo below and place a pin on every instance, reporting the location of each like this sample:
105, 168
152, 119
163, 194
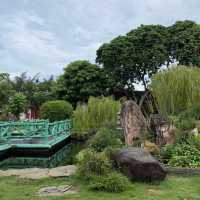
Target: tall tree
132, 57
184, 43
81, 80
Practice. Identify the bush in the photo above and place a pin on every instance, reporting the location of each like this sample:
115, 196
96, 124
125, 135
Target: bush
98, 112
185, 155
166, 153
114, 182
56, 110
176, 89
104, 138
93, 164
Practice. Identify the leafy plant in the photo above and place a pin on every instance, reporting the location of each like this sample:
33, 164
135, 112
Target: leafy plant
93, 164
185, 156
166, 153
105, 138
56, 110
114, 182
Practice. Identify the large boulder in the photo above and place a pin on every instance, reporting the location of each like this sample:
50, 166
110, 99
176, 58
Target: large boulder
139, 165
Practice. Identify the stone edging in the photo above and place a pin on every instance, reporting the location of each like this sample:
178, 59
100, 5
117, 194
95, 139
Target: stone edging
182, 171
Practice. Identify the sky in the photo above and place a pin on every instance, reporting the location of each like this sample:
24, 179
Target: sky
43, 36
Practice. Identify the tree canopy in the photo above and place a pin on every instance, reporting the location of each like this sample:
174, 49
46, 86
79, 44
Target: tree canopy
17, 104
184, 43
81, 80
139, 54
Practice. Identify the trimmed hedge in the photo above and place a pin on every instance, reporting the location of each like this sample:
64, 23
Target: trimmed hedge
56, 110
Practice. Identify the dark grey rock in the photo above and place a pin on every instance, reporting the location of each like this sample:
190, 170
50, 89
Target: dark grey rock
139, 165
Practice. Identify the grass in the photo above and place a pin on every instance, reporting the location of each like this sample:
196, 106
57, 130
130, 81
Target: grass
173, 188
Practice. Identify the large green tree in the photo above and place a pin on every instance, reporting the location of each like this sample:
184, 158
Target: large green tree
184, 43
81, 80
137, 55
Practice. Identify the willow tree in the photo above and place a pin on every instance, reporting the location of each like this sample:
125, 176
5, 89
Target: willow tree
176, 89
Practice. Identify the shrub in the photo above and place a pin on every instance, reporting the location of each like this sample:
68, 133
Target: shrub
176, 89
104, 138
185, 155
114, 182
166, 153
93, 164
98, 112
56, 110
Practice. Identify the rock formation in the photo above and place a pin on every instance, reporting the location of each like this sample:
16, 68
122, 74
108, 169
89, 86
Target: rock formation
139, 165
132, 121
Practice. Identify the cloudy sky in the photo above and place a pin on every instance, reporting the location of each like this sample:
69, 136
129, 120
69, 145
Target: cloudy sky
45, 35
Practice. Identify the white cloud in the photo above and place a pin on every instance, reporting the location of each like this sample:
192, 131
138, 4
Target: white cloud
44, 36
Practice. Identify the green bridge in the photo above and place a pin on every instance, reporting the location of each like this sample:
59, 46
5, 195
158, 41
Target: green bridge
37, 138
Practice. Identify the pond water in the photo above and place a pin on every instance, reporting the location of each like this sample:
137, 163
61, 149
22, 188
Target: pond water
64, 156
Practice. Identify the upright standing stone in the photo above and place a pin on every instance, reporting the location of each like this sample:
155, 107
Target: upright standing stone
132, 121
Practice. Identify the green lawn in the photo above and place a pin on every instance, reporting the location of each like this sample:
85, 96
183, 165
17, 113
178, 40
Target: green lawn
180, 188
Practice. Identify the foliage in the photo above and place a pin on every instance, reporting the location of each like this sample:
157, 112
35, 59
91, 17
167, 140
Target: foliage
185, 156
93, 164
185, 153
56, 110
184, 43
6, 90
105, 138
176, 89
81, 80
129, 59
166, 153
96, 169
35, 91
192, 113
98, 112
184, 123
17, 104
115, 183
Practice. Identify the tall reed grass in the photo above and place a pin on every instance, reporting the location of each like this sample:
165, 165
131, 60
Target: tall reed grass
176, 89
98, 112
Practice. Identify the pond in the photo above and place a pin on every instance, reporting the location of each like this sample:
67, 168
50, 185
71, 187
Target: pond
36, 144
64, 156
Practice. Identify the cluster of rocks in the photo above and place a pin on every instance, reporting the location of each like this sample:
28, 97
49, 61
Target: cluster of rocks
137, 163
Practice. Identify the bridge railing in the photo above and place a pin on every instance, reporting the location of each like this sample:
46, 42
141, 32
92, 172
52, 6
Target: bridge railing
59, 127
36, 128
